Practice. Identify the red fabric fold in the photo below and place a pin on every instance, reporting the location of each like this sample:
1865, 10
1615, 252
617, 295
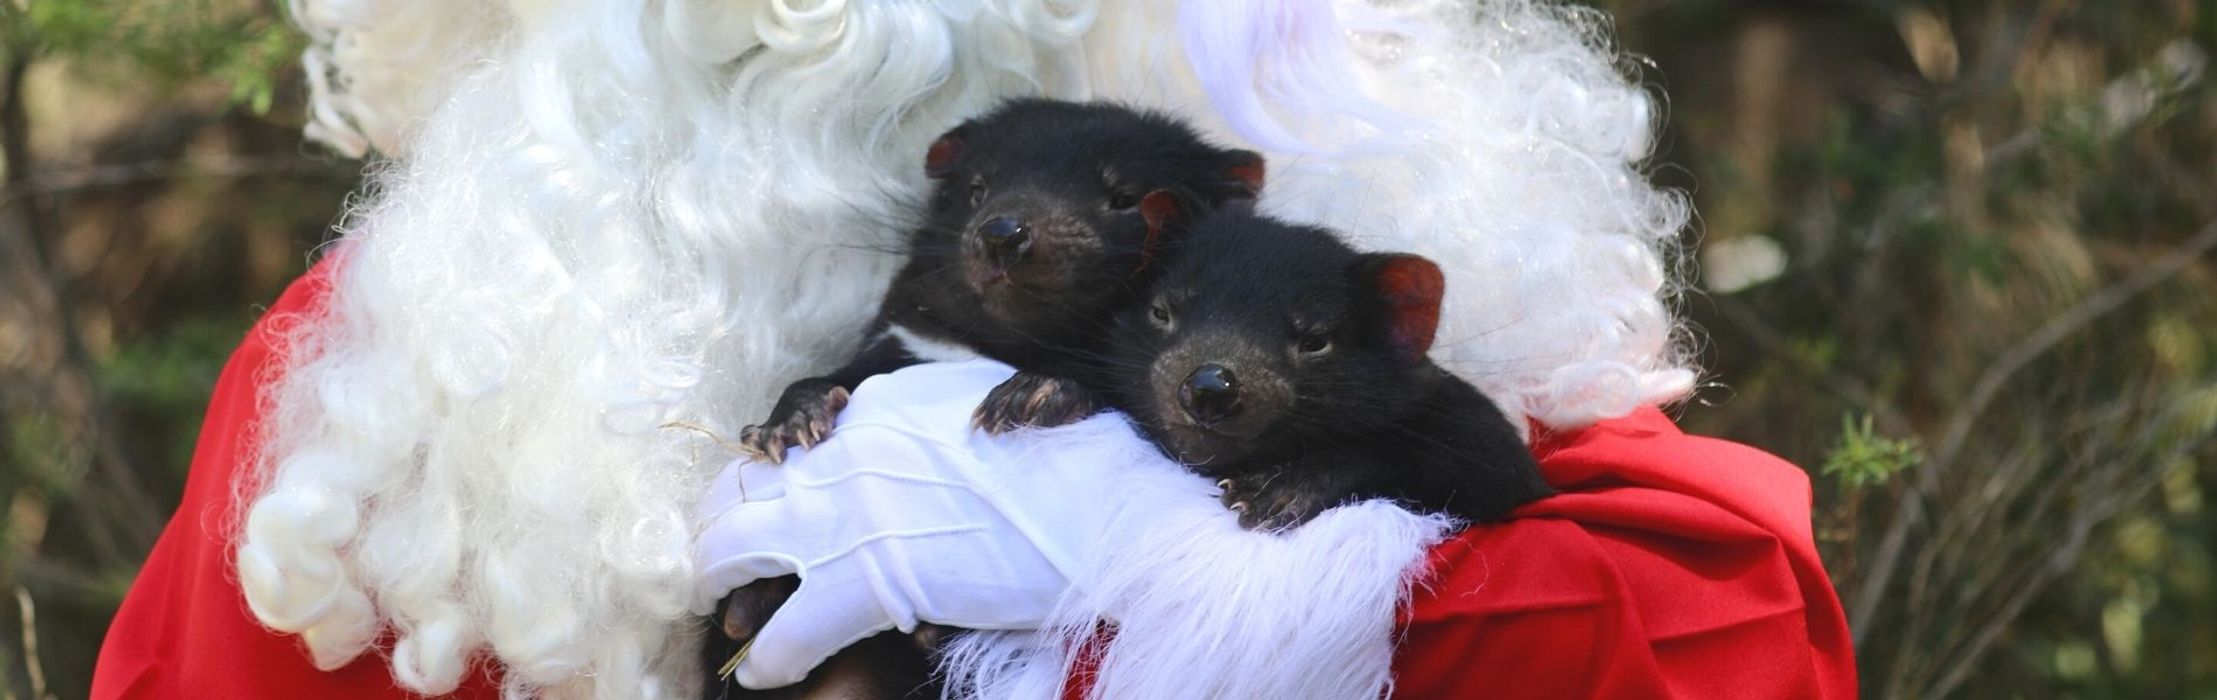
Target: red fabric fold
1669, 566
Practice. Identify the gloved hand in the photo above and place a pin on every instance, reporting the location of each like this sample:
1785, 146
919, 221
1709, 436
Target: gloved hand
906, 514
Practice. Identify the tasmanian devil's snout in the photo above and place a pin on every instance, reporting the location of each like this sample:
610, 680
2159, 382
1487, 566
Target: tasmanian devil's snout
1004, 240
1216, 391
1029, 237
1210, 394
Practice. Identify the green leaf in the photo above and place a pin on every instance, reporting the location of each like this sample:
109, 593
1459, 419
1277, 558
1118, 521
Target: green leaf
1864, 458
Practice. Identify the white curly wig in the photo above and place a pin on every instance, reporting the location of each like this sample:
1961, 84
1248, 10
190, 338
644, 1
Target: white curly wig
602, 219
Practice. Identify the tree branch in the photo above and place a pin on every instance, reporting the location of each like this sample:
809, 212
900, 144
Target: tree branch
117, 175
1871, 587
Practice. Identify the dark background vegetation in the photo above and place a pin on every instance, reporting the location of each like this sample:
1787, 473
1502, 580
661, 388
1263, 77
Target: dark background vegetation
1956, 262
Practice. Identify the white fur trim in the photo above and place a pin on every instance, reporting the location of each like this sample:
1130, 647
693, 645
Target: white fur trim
1203, 609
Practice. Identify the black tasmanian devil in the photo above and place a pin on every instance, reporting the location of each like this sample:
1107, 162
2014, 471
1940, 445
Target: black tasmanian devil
1044, 219
1293, 368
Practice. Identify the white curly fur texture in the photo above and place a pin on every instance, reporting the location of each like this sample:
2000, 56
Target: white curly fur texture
375, 66
607, 217
629, 214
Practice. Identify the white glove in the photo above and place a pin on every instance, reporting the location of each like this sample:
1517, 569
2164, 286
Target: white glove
906, 514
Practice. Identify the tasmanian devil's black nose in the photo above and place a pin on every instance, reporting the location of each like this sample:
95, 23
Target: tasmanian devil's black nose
1005, 239
1210, 394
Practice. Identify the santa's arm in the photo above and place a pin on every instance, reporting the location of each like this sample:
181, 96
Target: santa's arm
1669, 565
1508, 611
183, 630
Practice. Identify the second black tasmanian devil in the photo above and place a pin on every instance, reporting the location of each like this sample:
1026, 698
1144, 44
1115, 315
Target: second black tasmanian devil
1045, 218
1293, 368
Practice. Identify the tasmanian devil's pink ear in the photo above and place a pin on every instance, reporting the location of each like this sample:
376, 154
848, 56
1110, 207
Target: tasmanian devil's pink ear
1410, 288
1159, 209
940, 159
1246, 173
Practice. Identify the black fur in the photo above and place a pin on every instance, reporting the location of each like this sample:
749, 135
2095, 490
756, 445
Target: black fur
1330, 406
1075, 177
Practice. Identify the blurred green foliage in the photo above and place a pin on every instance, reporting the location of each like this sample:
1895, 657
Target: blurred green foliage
171, 372
247, 46
1987, 226
156, 193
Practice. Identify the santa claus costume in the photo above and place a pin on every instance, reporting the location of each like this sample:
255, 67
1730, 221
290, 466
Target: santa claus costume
464, 454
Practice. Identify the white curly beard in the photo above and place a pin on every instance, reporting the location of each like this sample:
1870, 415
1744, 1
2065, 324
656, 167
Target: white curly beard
608, 219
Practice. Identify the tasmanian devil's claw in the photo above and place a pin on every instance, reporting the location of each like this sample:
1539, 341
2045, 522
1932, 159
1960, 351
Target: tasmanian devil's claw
1273, 503
753, 442
803, 418
1028, 399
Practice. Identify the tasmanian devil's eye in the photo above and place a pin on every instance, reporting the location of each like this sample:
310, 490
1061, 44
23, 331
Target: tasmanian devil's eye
1123, 201
1314, 344
1161, 313
977, 190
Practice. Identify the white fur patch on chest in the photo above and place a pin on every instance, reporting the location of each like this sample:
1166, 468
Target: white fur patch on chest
930, 349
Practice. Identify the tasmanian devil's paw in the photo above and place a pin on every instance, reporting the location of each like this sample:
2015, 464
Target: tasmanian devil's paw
803, 417
931, 638
1034, 400
1274, 501
741, 615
